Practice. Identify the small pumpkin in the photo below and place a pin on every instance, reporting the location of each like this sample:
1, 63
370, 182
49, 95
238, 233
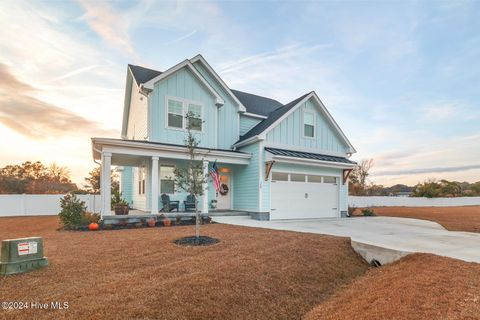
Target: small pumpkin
93, 226
151, 222
166, 222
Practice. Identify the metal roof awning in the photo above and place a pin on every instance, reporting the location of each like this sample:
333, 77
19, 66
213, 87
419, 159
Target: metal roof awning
307, 158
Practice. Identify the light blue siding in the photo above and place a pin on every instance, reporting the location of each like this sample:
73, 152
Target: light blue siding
290, 131
246, 193
127, 184
182, 84
284, 167
247, 123
227, 114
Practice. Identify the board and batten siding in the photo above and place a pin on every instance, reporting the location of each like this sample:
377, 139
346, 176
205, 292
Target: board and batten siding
182, 84
137, 116
290, 131
127, 184
294, 168
247, 123
228, 116
245, 182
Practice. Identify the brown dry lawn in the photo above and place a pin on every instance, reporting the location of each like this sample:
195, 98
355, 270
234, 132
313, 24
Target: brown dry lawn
451, 218
419, 286
140, 273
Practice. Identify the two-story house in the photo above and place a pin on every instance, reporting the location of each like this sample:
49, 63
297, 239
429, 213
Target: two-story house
276, 161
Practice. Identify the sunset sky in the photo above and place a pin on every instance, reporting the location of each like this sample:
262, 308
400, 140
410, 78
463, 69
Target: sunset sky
402, 78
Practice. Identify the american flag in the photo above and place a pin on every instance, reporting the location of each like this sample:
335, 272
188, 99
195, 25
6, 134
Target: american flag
215, 176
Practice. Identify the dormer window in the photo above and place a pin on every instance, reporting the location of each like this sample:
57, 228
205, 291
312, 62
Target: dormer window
308, 124
177, 112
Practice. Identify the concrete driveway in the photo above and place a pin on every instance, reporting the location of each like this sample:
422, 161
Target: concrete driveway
399, 234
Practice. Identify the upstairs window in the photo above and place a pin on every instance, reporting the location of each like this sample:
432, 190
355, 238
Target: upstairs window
177, 112
195, 121
308, 124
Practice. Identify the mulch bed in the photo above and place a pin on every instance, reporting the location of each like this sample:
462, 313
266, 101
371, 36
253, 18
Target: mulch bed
141, 274
194, 241
451, 218
419, 286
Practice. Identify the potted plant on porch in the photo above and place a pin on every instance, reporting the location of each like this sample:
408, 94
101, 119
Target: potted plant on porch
119, 205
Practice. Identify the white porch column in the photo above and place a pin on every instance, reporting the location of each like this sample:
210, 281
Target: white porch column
154, 197
106, 189
205, 188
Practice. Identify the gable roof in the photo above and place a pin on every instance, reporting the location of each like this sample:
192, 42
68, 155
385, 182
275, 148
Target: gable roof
257, 104
272, 118
278, 115
142, 74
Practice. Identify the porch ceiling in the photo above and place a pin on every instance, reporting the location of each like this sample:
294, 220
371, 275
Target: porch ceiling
132, 152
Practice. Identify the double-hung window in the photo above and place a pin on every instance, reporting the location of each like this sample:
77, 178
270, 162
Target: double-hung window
308, 124
175, 114
178, 109
167, 184
195, 119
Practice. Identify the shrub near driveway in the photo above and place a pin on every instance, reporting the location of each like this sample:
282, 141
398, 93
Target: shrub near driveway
251, 274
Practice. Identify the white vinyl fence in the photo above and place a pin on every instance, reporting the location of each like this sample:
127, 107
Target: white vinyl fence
361, 202
41, 204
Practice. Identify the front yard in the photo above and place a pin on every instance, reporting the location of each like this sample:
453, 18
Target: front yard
451, 218
251, 274
140, 273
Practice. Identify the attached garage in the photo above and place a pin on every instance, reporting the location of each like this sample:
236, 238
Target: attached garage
303, 196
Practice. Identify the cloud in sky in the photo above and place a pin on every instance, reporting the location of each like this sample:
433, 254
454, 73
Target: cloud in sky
36, 119
400, 94
109, 24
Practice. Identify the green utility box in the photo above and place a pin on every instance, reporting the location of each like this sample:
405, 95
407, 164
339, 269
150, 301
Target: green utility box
22, 255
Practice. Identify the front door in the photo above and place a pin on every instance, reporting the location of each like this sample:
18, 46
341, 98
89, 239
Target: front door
224, 194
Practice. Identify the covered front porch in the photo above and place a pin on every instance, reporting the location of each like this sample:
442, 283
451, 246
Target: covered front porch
146, 173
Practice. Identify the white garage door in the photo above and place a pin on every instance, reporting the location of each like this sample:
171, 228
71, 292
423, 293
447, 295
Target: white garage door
300, 196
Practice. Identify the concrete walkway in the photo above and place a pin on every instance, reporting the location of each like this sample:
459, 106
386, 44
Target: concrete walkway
402, 235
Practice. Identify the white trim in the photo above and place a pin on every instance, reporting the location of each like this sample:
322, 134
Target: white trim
185, 103
199, 57
254, 115
155, 186
314, 124
145, 149
284, 116
249, 141
149, 85
260, 177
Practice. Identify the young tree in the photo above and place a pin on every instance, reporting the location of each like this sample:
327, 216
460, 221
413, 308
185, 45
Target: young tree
191, 178
93, 180
358, 177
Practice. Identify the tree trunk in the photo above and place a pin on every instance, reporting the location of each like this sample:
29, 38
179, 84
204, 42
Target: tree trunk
197, 221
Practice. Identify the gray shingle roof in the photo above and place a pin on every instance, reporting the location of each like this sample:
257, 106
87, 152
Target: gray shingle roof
257, 104
308, 155
142, 74
272, 117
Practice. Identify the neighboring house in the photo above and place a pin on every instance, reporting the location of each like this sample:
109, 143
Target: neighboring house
279, 161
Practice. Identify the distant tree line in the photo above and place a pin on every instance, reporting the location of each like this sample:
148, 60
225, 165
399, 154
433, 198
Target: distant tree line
431, 188
37, 178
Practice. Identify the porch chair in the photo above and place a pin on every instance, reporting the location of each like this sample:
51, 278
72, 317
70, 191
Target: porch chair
169, 205
189, 203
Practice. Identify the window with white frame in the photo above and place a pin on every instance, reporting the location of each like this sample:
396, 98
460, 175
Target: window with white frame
177, 111
141, 180
195, 120
308, 124
175, 114
167, 184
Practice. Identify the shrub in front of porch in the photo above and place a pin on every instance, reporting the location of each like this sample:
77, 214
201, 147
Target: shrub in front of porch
74, 215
